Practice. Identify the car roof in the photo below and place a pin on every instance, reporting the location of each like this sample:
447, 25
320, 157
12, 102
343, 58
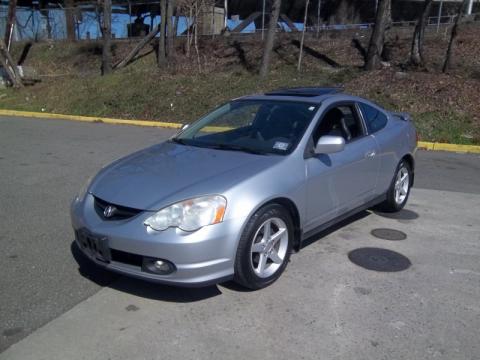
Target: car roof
312, 95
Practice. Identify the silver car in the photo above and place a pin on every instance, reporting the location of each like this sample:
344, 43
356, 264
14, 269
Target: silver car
235, 193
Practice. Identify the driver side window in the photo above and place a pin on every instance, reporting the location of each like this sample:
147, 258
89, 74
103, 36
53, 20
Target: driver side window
341, 121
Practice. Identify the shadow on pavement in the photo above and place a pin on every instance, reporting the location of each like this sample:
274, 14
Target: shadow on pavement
232, 285
388, 234
378, 259
401, 215
333, 228
137, 287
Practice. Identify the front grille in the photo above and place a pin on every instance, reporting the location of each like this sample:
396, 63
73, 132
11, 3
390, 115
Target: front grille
120, 212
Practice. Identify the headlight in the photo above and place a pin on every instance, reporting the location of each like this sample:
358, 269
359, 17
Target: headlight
190, 215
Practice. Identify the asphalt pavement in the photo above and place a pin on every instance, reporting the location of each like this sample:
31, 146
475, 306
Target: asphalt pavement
43, 163
430, 308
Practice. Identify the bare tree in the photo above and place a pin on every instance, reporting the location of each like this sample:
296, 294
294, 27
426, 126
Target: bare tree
175, 22
70, 19
197, 13
161, 54
193, 9
416, 52
272, 27
170, 29
188, 8
107, 37
377, 40
188, 44
453, 35
299, 65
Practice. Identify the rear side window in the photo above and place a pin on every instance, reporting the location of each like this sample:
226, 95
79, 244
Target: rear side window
375, 120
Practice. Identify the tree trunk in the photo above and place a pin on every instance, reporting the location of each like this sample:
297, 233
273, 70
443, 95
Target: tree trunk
189, 35
272, 27
12, 7
175, 22
70, 20
195, 29
49, 25
170, 29
299, 65
416, 53
377, 39
107, 37
9, 66
453, 35
161, 55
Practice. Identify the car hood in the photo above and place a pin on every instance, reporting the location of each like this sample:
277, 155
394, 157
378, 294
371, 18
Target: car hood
165, 173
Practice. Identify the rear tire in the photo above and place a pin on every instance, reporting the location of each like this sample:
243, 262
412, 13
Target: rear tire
264, 248
399, 191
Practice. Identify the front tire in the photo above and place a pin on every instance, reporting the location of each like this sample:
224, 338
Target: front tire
264, 248
399, 191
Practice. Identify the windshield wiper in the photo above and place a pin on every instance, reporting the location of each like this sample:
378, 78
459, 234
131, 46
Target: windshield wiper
178, 141
220, 146
237, 148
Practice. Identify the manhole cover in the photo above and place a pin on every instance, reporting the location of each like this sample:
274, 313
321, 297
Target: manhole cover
388, 234
379, 259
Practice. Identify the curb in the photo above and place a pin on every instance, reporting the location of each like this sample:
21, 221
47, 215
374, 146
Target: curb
435, 146
42, 115
425, 145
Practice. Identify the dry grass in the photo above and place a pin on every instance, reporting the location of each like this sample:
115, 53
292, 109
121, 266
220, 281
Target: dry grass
445, 106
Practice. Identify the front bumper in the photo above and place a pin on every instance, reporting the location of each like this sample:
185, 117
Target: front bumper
203, 257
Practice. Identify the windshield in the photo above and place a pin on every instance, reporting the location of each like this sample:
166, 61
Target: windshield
256, 126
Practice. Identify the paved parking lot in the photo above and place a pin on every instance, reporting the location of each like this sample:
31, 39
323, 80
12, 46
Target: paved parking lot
422, 304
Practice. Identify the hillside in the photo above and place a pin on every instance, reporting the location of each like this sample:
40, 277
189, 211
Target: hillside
445, 106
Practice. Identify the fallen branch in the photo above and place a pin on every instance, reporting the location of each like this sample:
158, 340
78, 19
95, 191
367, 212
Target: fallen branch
137, 48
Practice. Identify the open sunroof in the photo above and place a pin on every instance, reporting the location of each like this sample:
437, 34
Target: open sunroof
305, 91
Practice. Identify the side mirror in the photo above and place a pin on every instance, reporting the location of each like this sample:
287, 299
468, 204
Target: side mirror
329, 144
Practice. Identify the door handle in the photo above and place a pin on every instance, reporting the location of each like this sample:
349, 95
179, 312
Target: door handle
370, 154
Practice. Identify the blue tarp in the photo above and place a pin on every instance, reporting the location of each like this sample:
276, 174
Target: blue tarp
32, 24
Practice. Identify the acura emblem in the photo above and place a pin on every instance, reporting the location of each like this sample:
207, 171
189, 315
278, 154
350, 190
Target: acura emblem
109, 211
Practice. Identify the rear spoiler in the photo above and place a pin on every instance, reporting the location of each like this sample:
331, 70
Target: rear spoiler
402, 116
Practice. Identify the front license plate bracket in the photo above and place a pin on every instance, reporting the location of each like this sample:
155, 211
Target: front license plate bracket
95, 246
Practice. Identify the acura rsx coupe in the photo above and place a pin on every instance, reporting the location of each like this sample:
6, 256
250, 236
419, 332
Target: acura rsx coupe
232, 195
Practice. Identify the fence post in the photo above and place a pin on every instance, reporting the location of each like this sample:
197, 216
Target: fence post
439, 15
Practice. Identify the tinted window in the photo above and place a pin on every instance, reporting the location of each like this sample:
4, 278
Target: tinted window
375, 119
251, 125
339, 121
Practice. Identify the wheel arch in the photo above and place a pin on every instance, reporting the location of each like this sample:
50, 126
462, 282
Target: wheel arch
292, 209
411, 162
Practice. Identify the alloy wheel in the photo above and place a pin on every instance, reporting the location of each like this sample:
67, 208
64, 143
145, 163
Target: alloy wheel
269, 247
402, 183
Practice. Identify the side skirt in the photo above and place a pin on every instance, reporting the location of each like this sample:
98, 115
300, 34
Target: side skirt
340, 218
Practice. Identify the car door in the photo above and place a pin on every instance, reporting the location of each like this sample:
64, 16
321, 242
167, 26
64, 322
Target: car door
376, 120
339, 182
